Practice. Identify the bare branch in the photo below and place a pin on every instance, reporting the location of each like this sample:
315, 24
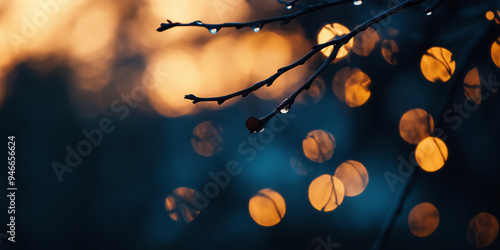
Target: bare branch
433, 6
257, 124
340, 41
285, 106
291, 4
256, 25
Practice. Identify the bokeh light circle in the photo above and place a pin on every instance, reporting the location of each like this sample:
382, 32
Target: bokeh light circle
390, 51
482, 230
318, 146
267, 207
437, 64
489, 15
207, 138
332, 31
415, 125
326, 193
365, 42
431, 154
423, 219
180, 205
354, 176
472, 86
351, 85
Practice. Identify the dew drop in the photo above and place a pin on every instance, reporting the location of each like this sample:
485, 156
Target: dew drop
213, 30
285, 110
199, 23
256, 28
262, 130
289, 6
429, 13
358, 2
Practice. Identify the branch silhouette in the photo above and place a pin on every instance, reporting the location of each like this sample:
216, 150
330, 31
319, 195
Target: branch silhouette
258, 124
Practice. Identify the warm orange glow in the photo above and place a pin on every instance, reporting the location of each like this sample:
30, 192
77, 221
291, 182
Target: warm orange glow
331, 31
268, 51
351, 86
267, 207
472, 86
207, 138
354, 176
495, 52
314, 93
173, 74
179, 204
416, 125
84, 36
365, 42
390, 51
318, 146
482, 230
490, 15
431, 154
326, 193
437, 64
423, 219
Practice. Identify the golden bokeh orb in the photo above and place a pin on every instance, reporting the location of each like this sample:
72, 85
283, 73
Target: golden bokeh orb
431, 154
490, 15
423, 219
482, 230
318, 146
365, 42
354, 176
326, 193
437, 64
330, 32
351, 85
267, 207
416, 125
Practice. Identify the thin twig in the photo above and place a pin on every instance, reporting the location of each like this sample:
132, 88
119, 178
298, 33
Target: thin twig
213, 28
433, 6
337, 41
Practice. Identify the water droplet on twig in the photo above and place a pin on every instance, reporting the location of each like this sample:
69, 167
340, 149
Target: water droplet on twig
199, 23
289, 6
285, 110
429, 13
213, 30
358, 2
256, 28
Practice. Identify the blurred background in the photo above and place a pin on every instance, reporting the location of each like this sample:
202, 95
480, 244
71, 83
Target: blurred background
395, 146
